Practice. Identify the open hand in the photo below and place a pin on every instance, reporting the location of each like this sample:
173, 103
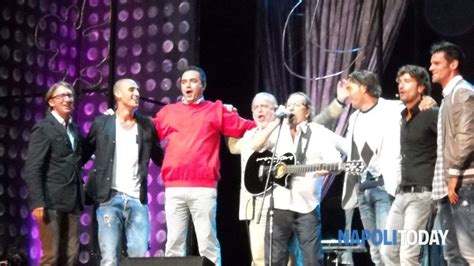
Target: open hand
230, 108
321, 173
342, 93
109, 112
427, 103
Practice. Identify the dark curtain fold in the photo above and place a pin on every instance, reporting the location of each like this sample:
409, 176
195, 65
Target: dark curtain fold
333, 29
271, 73
341, 36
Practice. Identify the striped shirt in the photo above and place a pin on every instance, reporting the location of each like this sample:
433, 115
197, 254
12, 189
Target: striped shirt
440, 187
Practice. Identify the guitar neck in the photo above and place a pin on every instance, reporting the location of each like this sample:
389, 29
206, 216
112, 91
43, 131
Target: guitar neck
302, 169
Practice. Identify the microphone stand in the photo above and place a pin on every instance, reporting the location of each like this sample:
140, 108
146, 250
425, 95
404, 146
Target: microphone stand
269, 183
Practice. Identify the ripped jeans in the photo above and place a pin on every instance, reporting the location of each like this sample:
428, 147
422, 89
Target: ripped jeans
122, 219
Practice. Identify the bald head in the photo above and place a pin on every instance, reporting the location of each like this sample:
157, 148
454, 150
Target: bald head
124, 83
126, 93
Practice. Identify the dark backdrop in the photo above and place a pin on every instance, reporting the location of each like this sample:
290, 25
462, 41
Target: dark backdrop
227, 56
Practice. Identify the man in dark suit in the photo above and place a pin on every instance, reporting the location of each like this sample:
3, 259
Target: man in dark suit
52, 174
123, 144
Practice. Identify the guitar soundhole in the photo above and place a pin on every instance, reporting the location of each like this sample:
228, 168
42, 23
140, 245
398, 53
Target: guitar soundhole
280, 170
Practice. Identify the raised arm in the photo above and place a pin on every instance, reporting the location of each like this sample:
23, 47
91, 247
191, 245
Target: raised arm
331, 113
260, 140
232, 124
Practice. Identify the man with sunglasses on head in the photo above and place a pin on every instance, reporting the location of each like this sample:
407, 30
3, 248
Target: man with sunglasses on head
53, 176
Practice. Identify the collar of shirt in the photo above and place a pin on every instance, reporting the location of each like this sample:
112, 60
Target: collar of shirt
415, 110
451, 84
371, 108
198, 101
302, 127
60, 119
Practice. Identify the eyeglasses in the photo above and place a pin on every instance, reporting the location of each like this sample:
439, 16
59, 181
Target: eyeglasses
62, 96
297, 105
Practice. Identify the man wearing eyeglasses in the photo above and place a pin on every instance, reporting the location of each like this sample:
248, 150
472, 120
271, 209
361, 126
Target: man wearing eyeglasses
53, 177
296, 206
123, 144
264, 106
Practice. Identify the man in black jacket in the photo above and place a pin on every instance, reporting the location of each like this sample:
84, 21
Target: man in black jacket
123, 144
53, 177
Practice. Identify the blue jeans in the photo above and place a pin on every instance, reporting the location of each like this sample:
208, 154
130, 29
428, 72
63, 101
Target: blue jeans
433, 254
463, 217
121, 216
374, 206
451, 249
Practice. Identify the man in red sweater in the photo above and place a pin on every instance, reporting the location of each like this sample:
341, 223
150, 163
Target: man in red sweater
191, 130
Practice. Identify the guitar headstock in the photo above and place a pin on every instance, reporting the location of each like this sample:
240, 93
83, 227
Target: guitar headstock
354, 167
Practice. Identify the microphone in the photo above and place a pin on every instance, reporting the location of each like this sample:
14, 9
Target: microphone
283, 114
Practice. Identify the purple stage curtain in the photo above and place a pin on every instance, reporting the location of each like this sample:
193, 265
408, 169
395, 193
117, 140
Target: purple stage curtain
322, 38
334, 28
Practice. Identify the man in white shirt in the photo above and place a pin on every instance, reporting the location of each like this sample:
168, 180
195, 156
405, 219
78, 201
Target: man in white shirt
296, 209
263, 111
374, 137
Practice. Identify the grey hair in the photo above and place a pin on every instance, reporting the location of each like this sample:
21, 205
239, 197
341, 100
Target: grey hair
269, 98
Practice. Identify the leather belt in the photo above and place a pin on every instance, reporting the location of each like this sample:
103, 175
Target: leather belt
467, 180
413, 189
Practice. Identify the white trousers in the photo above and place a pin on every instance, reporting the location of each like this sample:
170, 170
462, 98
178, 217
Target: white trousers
199, 203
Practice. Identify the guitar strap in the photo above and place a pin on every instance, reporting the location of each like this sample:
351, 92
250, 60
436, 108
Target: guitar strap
300, 153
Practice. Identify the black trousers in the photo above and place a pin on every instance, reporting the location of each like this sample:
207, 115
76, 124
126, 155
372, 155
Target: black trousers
307, 229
